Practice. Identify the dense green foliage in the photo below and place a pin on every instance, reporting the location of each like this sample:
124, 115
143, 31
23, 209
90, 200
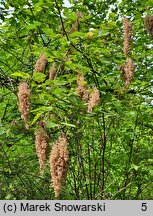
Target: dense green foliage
111, 148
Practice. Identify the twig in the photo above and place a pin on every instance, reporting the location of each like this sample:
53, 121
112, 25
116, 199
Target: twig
84, 55
103, 154
122, 189
5, 109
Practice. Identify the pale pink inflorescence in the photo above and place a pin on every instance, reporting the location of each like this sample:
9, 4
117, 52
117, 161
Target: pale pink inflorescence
82, 87
149, 25
75, 26
24, 101
128, 71
59, 158
41, 64
41, 146
127, 34
52, 71
93, 99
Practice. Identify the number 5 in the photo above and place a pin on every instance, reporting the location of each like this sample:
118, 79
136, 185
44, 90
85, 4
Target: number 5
144, 207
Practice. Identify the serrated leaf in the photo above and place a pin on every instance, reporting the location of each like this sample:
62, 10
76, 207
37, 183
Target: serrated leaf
150, 161
2, 131
135, 167
42, 108
57, 91
151, 172
37, 117
77, 34
71, 16
69, 125
132, 113
39, 77
20, 74
33, 25
52, 125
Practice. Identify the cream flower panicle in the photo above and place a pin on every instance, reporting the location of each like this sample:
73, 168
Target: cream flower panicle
128, 71
127, 34
93, 99
149, 25
41, 146
59, 158
82, 90
52, 71
41, 64
24, 101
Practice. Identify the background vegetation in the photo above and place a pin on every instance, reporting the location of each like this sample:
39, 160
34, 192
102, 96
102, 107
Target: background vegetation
110, 148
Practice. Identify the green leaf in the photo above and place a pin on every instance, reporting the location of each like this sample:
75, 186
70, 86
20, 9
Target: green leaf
57, 91
135, 167
39, 77
132, 113
42, 108
2, 131
77, 34
69, 125
151, 172
20, 74
71, 15
150, 161
37, 117
33, 25
52, 125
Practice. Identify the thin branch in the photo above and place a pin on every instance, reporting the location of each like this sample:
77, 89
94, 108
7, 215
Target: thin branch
60, 15
84, 55
3, 117
103, 154
120, 190
36, 20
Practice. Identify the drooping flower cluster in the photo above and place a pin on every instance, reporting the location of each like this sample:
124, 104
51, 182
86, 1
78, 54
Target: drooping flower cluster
41, 146
93, 99
127, 68
52, 71
41, 64
82, 88
59, 158
75, 26
149, 25
127, 34
24, 101
128, 71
